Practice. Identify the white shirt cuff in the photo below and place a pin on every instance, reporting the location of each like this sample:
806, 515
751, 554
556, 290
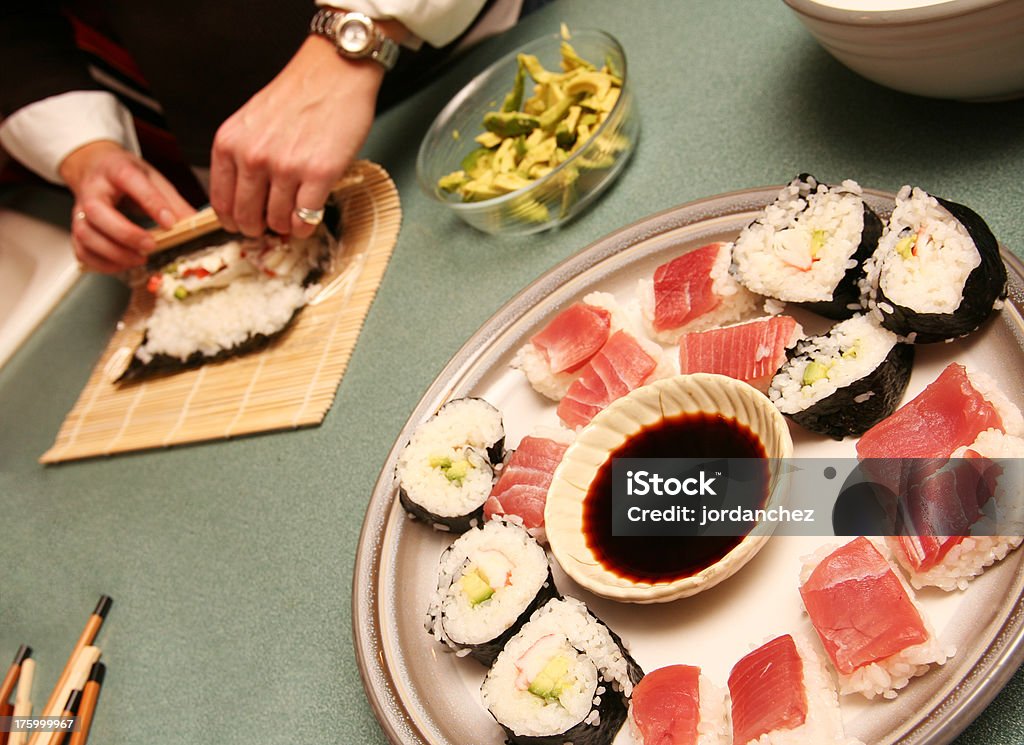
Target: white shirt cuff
43, 133
436, 22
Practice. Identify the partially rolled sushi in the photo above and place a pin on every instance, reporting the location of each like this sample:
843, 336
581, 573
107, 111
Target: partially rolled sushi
809, 247
845, 382
937, 273
446, 471
565, 677
489, 583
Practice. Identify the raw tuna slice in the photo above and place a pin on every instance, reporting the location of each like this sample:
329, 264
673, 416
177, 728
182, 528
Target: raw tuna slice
752, 352
948, 414
522, 488
868, 623
768, 692
573, 336
620, 366
677, 705
695, 291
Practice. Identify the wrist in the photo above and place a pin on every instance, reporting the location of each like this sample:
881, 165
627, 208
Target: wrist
356, 36
78, 162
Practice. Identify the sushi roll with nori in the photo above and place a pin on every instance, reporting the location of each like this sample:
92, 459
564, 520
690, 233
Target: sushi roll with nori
446, 471
565, 677
809, 247
937, 273
846, 381
226, 299
489, 583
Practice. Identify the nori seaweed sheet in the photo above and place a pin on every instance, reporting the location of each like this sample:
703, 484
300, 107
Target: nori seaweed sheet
612, 709
453, 524
847, 292
838, 415
984, 286
487, 652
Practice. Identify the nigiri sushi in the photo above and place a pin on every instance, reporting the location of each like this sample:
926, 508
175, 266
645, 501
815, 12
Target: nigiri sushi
867, 620
678, 705
782, 695
809, 247
937, 273
750, 351
624, 363
522, 487
554, 355
693, 292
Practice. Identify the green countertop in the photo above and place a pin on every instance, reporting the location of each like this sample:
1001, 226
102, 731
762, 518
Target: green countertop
230, 564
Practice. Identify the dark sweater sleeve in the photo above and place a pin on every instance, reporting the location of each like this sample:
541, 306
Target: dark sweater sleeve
38, 57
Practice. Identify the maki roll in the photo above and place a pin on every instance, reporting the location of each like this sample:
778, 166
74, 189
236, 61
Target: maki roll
845, 382
489, 583
224, 300
565, 677
446, 470
937, 273
809, 247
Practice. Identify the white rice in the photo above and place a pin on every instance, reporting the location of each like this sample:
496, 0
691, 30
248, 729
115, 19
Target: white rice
452, 618
861, 339
212, 322
736, 302
713, 727
887, 676
790, 222
824, 722
931, 280
596, 659
1013, 422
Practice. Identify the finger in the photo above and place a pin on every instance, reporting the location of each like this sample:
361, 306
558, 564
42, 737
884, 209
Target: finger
281, 204
96, 249
251, 202
179, 206
135, 182
311, 195
114, 226
223, 175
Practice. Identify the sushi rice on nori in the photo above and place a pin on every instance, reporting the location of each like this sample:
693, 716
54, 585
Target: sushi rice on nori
490, 581
446, 471
936, 273
565, 677
809, 247
844, 382
225, 300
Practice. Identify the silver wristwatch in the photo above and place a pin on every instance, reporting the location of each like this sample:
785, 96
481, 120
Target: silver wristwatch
355, 36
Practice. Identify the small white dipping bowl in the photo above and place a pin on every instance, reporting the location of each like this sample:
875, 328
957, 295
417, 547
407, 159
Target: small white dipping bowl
970, 50
606, 433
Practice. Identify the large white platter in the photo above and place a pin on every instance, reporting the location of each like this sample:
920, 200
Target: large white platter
423, 695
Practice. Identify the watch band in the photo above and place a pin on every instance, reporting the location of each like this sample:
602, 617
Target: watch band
329, 23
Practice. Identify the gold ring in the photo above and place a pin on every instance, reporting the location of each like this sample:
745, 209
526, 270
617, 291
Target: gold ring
310, 217
80, 215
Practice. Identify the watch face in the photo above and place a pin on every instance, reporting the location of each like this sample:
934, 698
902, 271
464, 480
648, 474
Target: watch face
354, 36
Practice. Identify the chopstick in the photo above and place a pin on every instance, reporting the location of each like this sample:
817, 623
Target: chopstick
90, 694
205, 221
87, 637
11, 678
70, 710
23, 699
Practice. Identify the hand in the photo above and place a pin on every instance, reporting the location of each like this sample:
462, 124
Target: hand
101, 175
292, 141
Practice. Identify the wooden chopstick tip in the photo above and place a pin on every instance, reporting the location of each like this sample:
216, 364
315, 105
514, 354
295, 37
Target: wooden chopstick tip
103, 606
97, 673
24, 652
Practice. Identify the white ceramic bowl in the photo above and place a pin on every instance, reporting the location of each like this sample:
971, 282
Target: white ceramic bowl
624, 418
971, 50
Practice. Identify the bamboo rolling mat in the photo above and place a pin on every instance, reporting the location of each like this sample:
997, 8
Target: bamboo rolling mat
291, 383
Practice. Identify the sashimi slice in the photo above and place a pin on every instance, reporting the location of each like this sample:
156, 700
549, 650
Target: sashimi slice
948, 414
751, 352
665, 708
620, 366
859, 607
573, 336
522, 488
684, 288
767, 689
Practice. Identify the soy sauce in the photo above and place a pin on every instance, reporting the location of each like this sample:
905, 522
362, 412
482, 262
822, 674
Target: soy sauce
665, 558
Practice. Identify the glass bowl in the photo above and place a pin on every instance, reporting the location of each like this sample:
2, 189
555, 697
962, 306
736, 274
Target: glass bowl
567, 189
